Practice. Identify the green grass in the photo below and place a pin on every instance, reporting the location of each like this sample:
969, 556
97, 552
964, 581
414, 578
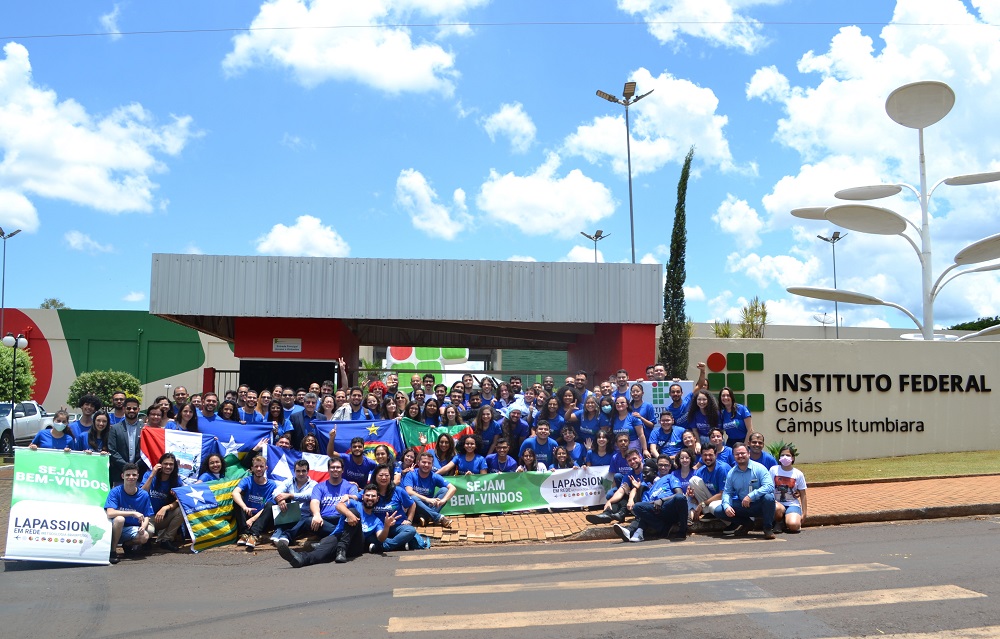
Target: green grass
982, 462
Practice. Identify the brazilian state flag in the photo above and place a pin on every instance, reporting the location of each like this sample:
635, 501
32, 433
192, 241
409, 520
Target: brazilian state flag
383, 431
208, 510
423, 437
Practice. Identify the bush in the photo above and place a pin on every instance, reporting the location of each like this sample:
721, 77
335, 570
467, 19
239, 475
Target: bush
104, 384
25, 375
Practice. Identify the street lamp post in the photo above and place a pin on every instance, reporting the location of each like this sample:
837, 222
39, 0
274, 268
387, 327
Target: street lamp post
833, 239
914, 106
629, 98
19, 342
3, 278
595, 238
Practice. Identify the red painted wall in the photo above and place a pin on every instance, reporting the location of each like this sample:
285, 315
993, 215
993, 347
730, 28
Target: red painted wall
614, 346
322, 339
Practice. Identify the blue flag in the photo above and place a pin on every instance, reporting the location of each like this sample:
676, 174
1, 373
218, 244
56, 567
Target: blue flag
208, 510
384, 431
235, 439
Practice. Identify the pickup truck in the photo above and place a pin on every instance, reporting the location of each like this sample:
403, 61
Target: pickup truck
29, 418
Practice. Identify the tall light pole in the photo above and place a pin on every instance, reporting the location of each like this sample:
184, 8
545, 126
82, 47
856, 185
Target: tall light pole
628, 100
915, 106
833, 239
595, 238
19, 342
3, 278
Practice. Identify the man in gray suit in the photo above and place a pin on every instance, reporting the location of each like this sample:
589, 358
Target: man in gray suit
123, 440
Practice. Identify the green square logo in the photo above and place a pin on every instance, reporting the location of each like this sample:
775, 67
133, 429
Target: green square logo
716, 381
736, 382
755, 402
739, 398
734, 361
755, 361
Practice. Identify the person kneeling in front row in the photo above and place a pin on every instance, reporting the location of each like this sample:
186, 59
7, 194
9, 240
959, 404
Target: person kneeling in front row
129, 510
661, 506
359, 522
749, 492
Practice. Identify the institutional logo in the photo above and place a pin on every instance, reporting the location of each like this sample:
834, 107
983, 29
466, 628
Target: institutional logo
733, 370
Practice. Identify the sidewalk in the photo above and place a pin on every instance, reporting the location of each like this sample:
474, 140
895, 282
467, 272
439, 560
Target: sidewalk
851, 503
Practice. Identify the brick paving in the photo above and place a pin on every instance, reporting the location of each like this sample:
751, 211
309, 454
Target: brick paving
881, 500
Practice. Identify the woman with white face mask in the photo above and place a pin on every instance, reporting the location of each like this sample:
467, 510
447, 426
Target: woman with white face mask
59, 438
789, 492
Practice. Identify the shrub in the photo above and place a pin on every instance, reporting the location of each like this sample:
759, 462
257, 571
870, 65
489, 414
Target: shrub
104, 384
25, 375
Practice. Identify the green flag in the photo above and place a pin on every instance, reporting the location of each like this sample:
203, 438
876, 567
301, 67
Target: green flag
420, 435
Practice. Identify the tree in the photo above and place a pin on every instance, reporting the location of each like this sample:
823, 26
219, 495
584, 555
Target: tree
103, 384
25, 380
673, 347
52, 302
976, 325
753, 318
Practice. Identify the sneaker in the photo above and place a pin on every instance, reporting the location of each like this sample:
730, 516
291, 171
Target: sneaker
167, 545
242, 541
731, 529
371, 548
768, 533
341, 557
637, 536
622, 532
251, 542
289, 555
113, 559
599, 518
275, 540
128, 550
742, 531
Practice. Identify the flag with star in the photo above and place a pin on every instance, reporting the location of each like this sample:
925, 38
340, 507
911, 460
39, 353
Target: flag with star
384, 431
190, 449
236, 440
281, 464
423, 437
208, 512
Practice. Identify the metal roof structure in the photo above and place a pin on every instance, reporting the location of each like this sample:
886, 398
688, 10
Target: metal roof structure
487, 304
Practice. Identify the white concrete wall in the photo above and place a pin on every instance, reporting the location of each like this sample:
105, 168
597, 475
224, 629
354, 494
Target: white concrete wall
920, 420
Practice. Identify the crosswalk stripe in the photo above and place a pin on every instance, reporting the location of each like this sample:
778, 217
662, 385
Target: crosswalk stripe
574, 548
603, 563
676, 579
987, 632
631, 614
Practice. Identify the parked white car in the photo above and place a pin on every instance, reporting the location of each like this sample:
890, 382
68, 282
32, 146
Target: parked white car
29, 418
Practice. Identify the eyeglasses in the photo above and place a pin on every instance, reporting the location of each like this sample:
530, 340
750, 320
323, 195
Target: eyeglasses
288, 394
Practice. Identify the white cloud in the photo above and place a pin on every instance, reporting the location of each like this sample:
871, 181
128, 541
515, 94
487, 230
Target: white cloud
664, 126
416, 196
296, 142
521, 258
356, 44
193, 249
784, 270
308, 237
545, 203
649, 258
582, 254
79, 241
738, 218
769, 85
719, 22
694, 294
109, 22
512, 122
134, 296
57, 150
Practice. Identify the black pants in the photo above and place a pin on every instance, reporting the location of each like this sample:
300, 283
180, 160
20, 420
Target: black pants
351, 539
262, 524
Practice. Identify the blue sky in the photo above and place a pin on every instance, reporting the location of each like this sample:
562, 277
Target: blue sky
470, 129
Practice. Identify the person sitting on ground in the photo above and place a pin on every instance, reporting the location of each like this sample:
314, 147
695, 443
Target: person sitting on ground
469, 462
59, 437
428, 490
393, 500
757, 452
160, 483
213, 468
620, 501
501, 461
358, 521
129, 510
528, 463
251, 504
683, 468
295, 490
705, 488
662, 505
325, 497
749, 492
542, 445
789, 492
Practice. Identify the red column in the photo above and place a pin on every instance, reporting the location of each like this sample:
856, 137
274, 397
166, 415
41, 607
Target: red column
614, 346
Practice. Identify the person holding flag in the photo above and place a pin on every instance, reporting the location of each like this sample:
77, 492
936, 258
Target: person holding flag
159, 482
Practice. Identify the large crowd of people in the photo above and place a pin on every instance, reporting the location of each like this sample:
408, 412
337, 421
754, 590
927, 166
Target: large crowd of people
699, 458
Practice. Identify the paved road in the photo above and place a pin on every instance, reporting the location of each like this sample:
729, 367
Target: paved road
882, 580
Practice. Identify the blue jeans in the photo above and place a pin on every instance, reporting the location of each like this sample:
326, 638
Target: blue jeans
425, 509
399, 537
291, 532
763, 508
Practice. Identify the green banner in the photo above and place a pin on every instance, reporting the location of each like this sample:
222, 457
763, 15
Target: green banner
57, 507
508, 492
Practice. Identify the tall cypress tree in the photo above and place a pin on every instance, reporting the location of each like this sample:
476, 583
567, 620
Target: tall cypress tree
673, 347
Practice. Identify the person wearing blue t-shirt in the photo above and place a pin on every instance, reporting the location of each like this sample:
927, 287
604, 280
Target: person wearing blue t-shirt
542, 444
661, 507
642, 410
622, 421
757, 452
160, 482
129, 510
577, 453
600, 452
703, 414
357, 466
587, 420
325, 497
89, 404
623, 497
207, 414
57, 438
468, 462
501, 461
734, 418
393, 500
723, 453
705, 488
428, 490
251, 504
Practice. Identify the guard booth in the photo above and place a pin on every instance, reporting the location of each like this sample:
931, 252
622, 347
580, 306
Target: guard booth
291, 318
